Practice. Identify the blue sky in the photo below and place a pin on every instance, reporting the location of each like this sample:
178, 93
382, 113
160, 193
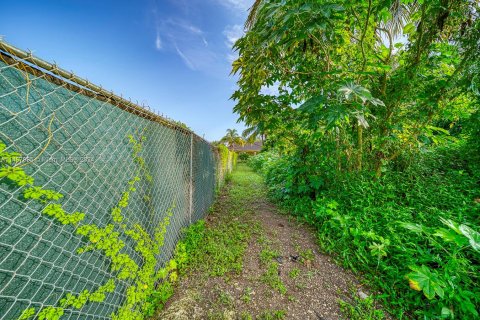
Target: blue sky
173, 55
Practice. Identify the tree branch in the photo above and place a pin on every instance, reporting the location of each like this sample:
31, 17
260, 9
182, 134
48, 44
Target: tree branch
364, 34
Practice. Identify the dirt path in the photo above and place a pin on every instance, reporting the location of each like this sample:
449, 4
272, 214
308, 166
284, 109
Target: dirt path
258, 264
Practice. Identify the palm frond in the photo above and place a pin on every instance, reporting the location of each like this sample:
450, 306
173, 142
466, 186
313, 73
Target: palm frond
252, 16
401, 14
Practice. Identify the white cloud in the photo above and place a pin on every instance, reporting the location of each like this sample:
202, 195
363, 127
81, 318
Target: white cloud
158, 41
199, 49
185, 58
184, 39
190, 28
232, 57
233, 33
237, 4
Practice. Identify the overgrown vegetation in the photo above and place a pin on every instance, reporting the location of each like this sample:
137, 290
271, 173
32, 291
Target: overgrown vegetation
360, 309
372, 121
218, 250
215, 247
226, 161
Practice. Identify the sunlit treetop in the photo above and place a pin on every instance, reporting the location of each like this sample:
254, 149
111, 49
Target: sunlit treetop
371, 71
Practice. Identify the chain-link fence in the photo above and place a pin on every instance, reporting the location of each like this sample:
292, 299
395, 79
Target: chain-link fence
75, 138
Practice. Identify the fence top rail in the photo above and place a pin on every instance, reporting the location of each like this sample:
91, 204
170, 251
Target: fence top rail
26, 61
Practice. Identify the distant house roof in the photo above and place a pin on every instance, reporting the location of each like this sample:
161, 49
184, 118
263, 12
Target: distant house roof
249, 147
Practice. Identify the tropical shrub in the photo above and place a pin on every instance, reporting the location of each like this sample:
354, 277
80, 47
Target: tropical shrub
371, 112
413, 233
244, 156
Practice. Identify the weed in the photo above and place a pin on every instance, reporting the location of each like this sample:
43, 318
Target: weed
300, 285
294, 273
307, 255
272, 315
267, 254
247, 295
360, 309
246, 316
272, 278
218, 315
225, 298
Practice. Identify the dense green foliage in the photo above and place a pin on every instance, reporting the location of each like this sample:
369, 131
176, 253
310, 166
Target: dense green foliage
360, 82
371, 114
226, 161
399, 227
243, 156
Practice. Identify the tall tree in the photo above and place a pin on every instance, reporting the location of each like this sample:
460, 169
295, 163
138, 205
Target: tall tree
253, 133
231, 138
362, 82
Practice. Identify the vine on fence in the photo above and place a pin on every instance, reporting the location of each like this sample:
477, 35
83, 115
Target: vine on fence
141, 297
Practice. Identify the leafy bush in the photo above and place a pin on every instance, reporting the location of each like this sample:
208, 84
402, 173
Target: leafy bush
413, 232
193, 237
359, 132
262, 161
244, 156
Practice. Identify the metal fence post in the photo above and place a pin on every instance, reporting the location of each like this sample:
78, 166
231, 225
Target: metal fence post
191, 179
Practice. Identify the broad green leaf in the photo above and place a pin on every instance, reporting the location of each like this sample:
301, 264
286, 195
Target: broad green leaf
472, 236
361, 120
352, 91
425, 280
415, 227
451, 224
447, 313
451, 236
409, 28
312, 104
377, 102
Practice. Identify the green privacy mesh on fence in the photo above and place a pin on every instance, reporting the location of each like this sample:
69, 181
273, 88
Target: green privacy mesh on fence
123, 169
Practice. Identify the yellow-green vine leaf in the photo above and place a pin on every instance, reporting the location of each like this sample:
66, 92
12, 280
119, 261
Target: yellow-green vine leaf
16, 175
27, 314
50, 313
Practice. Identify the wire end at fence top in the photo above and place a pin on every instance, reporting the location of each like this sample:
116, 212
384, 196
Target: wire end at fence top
26, 60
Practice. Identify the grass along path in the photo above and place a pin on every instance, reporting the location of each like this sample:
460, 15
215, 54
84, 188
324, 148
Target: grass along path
247, 261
